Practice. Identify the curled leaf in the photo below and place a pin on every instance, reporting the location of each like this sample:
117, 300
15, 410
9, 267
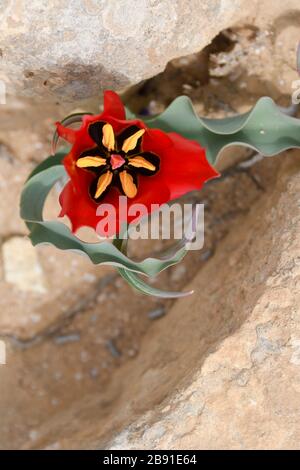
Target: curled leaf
266, 128
67, 121
56, 233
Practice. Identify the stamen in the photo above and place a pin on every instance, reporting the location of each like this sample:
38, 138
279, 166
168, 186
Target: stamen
140, 162
86, 162
116, 161
108, 139
103, 182
131, 142
128, 184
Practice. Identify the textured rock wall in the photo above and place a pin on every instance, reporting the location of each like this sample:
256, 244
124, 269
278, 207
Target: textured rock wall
221, 369
236, 348
70, 49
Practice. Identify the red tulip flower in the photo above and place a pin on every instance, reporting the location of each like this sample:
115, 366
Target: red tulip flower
112, 156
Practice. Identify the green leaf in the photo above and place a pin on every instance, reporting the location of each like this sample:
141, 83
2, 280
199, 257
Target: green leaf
56, 233
49, 162
138, 284
265, 128
67, 121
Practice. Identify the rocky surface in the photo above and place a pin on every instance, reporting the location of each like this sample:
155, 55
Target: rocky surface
90, 363
239, 363
21, 266
69, 341
82, 46
221, 370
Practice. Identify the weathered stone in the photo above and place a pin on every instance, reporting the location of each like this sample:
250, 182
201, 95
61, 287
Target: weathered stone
84, 45
233, 365
2, 352
213, 373
21, 265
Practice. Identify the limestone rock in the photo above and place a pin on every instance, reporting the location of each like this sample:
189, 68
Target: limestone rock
235, 351
81, 46
2, 352
21, 265
220, 369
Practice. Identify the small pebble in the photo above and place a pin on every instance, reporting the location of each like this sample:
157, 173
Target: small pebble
84, 356
38, 145
53, 446
157, 313
206, 255
57, 375
35, 318
88, 277
33, 435
132, 352
113, 349
187, 87
101, 298
94, 318
94, 372
178, 273
78, 376
67, 338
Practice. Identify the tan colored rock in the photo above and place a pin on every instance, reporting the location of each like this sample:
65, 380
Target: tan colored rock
220, 370
2, 352
84, 46
21, 265
236, 348
33, 281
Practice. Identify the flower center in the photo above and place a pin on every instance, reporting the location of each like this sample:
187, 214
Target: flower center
116, 161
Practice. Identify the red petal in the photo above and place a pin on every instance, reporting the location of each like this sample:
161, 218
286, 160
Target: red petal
68, 134
78, 207
113, 105
83, 141
113, 112
183, 168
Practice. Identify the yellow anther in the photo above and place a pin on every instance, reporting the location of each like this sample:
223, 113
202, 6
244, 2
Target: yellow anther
131, 142
86, 162
141, 162
128, 185
108, 139
103, 182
